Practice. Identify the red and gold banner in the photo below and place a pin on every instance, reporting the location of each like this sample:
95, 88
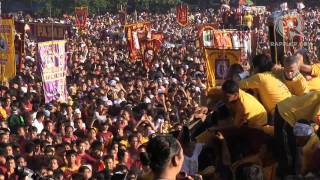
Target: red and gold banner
218, 62
206, 35
152, 48
81, 16
292, 33
157, 39
137, 39
182, 14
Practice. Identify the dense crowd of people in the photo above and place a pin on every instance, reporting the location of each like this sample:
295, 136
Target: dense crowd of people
125, 121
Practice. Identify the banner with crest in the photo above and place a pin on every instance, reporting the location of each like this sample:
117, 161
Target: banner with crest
218, 62
81, 16
182, 14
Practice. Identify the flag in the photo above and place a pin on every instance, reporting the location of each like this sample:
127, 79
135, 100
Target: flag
52, 64
182, 14
7, 50
208, 38
81, 16
218, 62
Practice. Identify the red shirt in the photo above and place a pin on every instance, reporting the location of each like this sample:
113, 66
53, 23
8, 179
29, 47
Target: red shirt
106, 136
69, 139
86, 158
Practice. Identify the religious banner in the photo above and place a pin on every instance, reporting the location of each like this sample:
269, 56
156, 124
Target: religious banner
286, 34
7, 50
182, 14
81, 16
137, 35
157, 39
52, 64
218, 62
152, 48
206, 35
47, 31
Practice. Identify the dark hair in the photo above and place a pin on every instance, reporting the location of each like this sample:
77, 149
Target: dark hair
304, 121
144, 159
235, 69
184, 136
160, 150
70, 153
40, 114
262, 62
230, 87
290, 60
249, 171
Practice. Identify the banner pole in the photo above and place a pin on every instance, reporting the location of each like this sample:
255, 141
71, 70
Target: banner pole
2, 67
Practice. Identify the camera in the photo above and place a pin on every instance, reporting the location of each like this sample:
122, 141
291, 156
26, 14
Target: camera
26, 173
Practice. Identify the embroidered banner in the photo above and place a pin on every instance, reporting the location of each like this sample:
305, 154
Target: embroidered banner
182, 14
52, 66
7, 50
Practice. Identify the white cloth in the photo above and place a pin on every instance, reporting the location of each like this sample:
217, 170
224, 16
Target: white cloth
100, 118
38, 125
190, 164
301, 129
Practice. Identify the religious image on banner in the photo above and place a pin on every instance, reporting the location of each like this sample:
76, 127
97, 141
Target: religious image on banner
182, 14
81, 16
290, 27
157, 38
7, 50
218, 62
52, 66
137, 39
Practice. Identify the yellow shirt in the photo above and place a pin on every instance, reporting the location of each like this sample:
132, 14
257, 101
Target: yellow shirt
297, 86
314, 84
271, 90
247, 19
3, 114
315, 70
305, 107
307, 154
249, 109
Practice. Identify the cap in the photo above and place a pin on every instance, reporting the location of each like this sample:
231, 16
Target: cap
77, 111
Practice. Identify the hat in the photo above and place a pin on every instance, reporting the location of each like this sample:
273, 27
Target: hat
160, 91
300, 129
147, 100
174, 80
104, 98
47, 113
117, 79
112, 82
77, 111
109, 103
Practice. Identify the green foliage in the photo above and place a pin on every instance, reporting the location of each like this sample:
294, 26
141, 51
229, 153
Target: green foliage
59, 7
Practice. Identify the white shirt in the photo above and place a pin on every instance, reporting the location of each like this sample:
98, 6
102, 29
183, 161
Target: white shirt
190, 164
38, 125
